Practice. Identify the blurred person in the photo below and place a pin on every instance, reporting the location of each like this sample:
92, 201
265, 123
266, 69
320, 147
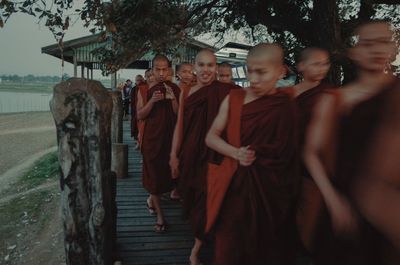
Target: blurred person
126, 96
347, 140
139, 80
225, 73
313, 65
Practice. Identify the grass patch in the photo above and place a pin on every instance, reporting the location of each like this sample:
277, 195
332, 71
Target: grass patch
34, 87
44, 170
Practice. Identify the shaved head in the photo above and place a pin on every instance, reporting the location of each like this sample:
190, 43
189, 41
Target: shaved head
185, 64
310, 51
205, 67
160, 57
205, 52
272, 52
225, 73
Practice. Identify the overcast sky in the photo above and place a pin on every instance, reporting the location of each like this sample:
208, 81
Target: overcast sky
21, 41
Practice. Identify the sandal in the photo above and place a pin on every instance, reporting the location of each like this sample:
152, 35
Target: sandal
151, 209
160, 228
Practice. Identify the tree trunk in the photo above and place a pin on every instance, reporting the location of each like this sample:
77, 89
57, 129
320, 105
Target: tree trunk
82, 112
116, 118
327, 31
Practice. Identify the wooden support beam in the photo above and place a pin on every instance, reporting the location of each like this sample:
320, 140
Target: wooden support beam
82, 113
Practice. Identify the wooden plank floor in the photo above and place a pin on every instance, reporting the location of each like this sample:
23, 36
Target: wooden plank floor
137, 242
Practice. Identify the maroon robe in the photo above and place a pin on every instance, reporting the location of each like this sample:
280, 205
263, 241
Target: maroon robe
311, 201
157, 140
200, 109
356, 135
253, 222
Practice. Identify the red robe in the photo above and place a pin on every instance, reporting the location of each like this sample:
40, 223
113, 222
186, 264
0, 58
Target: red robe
156, 142
311, 201
252, 223
199, 111
356, 134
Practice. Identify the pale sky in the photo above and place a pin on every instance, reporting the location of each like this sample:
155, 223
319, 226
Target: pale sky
21, 41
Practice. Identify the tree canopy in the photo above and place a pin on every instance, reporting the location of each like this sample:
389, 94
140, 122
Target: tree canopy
137, 26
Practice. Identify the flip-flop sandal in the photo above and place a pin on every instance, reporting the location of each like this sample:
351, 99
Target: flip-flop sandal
160, 228
151, 210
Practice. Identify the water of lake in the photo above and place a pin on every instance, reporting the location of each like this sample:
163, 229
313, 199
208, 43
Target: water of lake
24, 102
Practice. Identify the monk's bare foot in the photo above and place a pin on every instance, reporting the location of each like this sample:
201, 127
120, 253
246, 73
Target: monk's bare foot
194, 260
160, 227
174, 195
150, 206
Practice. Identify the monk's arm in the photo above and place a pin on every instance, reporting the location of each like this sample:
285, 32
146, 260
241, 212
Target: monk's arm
320, 134
143, 111
317, 136
177, 138
213, 138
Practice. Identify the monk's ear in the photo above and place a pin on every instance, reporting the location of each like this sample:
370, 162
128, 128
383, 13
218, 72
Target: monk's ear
283, 71
300, 67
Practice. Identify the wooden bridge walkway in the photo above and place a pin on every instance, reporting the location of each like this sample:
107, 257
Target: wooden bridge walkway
137, 242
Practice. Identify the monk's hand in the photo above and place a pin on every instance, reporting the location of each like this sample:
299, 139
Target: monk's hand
169, 94
245, 156
174, 165
344, 217
157, 96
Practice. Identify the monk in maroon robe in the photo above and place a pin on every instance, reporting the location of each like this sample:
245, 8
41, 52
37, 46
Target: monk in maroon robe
139, 80
158, 112
360, 189
185, 76
313, 65
189, 155
251, 194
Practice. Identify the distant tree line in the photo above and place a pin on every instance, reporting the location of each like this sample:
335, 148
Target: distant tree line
32, 78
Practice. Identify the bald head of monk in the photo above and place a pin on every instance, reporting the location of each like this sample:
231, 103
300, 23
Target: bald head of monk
160, 68
205, 67
375, 48
225, 73
264, 68
314, 64
185, 73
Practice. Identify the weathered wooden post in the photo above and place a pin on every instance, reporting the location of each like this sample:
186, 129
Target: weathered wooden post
119, 160
82, 112
116, 117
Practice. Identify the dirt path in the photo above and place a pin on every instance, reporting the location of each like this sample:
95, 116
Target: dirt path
25, 138
45, 186
48, 246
